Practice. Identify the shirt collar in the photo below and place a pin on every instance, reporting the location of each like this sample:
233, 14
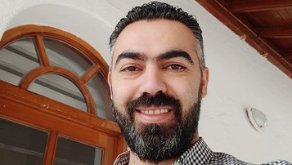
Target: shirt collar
198, 154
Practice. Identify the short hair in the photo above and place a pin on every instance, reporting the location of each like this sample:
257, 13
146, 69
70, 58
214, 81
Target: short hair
159, 10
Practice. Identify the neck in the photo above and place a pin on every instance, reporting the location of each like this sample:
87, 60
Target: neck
134, 159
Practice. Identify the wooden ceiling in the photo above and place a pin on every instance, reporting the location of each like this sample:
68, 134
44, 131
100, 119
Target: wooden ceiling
265, 24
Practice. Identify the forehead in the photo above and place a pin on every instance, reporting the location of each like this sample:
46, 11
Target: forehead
153, 37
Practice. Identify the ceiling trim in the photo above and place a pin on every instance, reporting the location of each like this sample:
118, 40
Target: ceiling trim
250, 34
262, 5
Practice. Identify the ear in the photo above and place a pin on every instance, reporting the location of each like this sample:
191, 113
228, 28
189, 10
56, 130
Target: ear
205, 80
110, 84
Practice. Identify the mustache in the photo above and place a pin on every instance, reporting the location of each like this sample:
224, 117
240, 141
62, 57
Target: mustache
159, 99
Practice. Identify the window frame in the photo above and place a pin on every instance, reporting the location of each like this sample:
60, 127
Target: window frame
19, 105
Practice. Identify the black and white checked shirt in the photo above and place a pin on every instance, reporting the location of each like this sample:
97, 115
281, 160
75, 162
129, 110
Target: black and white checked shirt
200, 154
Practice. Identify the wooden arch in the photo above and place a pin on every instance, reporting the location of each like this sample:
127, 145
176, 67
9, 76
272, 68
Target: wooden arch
57, 119
38, 32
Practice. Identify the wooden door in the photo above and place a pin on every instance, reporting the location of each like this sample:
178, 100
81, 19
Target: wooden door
67, 107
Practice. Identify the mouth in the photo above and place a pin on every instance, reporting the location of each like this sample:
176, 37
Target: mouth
154, 114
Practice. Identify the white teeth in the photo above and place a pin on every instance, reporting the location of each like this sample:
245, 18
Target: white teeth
155, 112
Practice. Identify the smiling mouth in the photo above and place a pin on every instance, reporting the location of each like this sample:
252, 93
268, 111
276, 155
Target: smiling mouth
154, 112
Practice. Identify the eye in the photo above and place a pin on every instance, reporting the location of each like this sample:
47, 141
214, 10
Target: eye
130, 69
175, 67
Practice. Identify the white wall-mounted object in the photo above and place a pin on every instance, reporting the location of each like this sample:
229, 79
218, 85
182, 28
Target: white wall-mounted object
257, 118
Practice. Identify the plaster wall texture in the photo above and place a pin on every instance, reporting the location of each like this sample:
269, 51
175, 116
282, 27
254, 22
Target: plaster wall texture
239, 77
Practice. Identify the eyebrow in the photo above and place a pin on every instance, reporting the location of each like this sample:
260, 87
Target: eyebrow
131, 55
174, 54
163, 56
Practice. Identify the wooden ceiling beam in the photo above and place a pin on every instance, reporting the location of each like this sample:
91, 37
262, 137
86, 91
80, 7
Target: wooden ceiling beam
279, 32
287, 55
220, 11
261, 5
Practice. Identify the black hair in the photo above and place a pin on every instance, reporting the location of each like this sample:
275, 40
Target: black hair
159, 10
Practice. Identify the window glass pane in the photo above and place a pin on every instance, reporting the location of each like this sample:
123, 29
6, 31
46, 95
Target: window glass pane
63, 55
17, 59
60, 89
20, 145
99, 90
70, 152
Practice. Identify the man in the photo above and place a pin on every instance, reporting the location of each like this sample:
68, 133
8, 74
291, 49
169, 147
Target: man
157, 79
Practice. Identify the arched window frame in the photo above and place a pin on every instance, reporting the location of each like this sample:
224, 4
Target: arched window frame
38, 32
22, 106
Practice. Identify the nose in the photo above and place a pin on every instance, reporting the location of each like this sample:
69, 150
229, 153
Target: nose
152, 82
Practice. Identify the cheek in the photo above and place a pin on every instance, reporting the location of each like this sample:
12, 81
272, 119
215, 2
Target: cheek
121, 94
187, 93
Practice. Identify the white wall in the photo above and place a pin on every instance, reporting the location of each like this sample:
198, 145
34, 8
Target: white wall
239, 77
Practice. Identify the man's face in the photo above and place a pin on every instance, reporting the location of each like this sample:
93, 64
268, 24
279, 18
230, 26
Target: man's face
156, 87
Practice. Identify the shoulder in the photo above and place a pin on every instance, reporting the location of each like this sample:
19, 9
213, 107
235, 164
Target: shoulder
279, 162
226, 159
223, 158
123, 159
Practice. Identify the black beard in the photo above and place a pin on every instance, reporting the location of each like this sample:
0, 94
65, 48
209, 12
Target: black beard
157, 142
